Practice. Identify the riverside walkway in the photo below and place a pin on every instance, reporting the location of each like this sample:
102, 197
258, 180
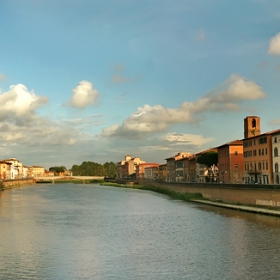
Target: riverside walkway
252, 209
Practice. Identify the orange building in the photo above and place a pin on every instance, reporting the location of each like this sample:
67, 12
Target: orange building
140, 169
258, 158
5, 170
231, 162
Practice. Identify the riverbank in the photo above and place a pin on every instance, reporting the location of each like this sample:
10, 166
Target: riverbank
17, 183
196, 197
158, 189
251, 209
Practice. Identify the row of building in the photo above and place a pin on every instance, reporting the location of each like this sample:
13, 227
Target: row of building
253, 159
12, 168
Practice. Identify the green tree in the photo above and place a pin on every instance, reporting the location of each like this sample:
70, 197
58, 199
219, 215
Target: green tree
208, 159
58, 169
88, 168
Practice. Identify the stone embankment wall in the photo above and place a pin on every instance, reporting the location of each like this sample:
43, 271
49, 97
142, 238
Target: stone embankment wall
17, 183
265, 195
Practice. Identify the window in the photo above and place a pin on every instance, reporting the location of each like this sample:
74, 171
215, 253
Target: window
276, 152
236, 153
236, 166
276, 167
254, 123
260, 165
275, 139
262, 140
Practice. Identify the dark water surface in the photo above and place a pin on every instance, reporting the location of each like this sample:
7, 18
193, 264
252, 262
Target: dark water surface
69, 231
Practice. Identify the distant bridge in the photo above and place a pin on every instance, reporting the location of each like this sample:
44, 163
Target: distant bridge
68, 178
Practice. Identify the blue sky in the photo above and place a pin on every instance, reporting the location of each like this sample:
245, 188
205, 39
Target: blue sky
96, 80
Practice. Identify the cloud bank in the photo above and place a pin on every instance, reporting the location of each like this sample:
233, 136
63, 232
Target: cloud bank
229, 96
20, 124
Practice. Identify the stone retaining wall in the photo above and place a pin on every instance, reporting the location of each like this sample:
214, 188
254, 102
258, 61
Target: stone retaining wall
9, 184
264, 195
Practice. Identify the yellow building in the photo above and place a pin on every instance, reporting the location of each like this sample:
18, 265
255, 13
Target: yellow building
36, 171
5, 170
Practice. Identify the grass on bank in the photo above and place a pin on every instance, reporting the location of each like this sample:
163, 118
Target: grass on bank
170, 193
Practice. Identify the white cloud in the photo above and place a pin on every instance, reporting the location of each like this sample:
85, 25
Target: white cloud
19, 101
187, 139
229, 96
20, 125
84, 95
274, 45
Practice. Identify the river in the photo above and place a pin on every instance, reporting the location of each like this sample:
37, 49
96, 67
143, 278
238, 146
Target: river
76, 231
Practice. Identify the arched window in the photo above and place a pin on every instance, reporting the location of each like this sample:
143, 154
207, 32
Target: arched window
253, 123
276, 152
276, 167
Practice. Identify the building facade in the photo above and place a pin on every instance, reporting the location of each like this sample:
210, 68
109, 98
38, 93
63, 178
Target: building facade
258, 157
127, 167
276, 156
172, 167
162, 172
231, 162
140, 169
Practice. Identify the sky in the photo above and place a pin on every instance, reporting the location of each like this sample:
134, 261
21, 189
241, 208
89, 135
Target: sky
97, 80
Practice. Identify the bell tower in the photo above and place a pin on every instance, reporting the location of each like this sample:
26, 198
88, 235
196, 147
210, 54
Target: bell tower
252, 126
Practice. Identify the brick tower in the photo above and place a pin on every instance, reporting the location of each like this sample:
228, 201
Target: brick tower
252, 126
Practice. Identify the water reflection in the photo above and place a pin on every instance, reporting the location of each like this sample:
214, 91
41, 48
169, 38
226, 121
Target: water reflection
95, 232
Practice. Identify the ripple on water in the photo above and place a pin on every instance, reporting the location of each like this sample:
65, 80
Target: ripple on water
93, 232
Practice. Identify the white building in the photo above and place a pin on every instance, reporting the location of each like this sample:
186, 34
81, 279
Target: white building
275, 138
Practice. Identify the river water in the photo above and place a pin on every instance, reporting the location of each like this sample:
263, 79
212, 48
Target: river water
71, 231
